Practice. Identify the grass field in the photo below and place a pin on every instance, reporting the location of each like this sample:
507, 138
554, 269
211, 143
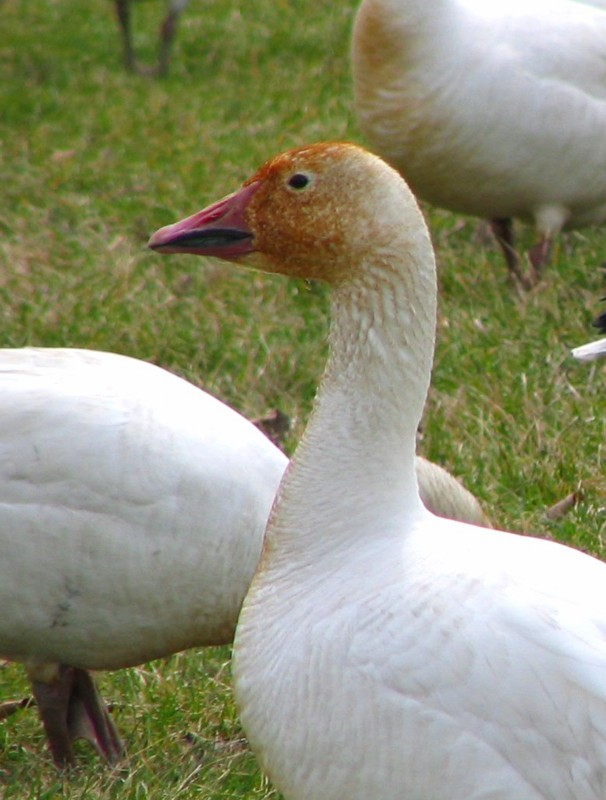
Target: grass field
92, 160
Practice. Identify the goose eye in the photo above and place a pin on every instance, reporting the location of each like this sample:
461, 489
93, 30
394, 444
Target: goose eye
299, 180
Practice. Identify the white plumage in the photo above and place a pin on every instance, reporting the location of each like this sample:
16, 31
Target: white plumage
495, 109
590, 351
446, 496
383, 652
132, 513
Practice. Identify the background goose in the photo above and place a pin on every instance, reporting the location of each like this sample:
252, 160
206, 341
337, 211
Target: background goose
383, 652
495, 109
593, 350
590, 351
443, 494
132, 517
133, 509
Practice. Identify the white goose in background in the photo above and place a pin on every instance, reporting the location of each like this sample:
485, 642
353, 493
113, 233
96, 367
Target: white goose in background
446, 496
491, 108
383, 652
593, 350
132, 518
590, 351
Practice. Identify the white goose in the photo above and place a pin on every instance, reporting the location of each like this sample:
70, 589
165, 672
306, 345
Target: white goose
383, 652
495, 109
132, 518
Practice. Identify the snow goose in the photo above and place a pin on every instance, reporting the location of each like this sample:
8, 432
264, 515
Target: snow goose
167, 35
132, 518
383, 652
495, 109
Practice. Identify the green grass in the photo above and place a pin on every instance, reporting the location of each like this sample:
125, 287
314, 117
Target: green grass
92, 160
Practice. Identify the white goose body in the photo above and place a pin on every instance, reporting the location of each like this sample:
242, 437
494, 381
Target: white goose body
132, 490
434, 678
495, 109
383, 652
132, 512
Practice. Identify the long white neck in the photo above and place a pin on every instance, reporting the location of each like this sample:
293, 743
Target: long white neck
357, 454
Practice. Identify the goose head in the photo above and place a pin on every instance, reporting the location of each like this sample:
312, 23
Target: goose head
290, 216
336, 213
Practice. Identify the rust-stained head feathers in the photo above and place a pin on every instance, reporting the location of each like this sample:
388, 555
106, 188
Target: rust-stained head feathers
313, 212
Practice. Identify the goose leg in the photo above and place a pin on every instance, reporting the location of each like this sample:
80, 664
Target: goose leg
502, 229
540, 254
52, 698
503, 233
89, 718
71, 708
124, 20
167, 35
